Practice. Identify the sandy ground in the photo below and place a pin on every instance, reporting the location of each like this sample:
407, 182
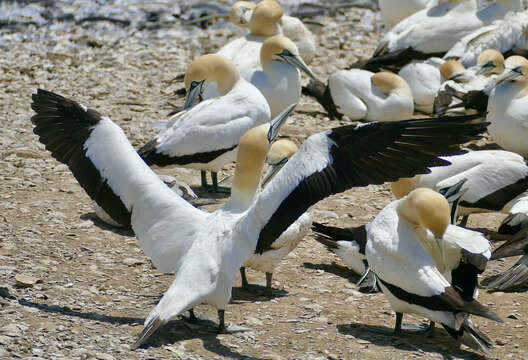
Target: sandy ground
95, 286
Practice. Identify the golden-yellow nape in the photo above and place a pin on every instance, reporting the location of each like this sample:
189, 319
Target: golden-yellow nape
517, 63
387, 82
490, 61
213, 68
265, 18
427, 208
274, 46
450, 67
403, 186
240, 11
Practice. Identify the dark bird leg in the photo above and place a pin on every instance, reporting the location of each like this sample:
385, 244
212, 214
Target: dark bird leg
192, 317
203, 174
464, 221
245, 284
221, 322
216, 188
268, 292
411, 329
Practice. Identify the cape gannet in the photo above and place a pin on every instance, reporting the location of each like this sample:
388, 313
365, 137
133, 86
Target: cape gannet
207, 249
508, 107
495, 179
206, 136
409, 251
392, 12
363, 95
281, 151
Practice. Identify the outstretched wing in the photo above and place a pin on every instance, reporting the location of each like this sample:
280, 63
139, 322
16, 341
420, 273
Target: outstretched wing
339, 159
108, 168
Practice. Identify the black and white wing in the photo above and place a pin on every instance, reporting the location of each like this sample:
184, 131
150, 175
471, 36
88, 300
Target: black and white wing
108, 168
341, 158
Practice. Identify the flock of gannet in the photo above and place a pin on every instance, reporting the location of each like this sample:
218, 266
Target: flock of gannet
236, 102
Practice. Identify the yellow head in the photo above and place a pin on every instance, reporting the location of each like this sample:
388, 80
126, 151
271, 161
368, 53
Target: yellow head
209, 68
403, 186
280, 48
426, 208
388, 82
280, 150
240, 13
489, 62
265, 18
451, 67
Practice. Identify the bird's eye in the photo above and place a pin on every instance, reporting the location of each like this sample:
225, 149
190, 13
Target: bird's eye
286, 52
489, 64
518, 69
194, 84
443, 191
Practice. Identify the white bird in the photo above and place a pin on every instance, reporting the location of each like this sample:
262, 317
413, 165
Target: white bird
461, 81
411, 247
207, 249
392, 12
495, 179
289, 26
281, 151
433, 31
363, 95
505, 36
277, 76
508, 107
517, 218
206, 136
424, 79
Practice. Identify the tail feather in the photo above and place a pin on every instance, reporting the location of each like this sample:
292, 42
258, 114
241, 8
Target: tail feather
148, 151
518, 245
515, 276
474, 338
150, 328
320, 92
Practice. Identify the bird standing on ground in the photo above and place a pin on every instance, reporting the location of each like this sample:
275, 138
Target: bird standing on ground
206, 250
205, 137
407, 250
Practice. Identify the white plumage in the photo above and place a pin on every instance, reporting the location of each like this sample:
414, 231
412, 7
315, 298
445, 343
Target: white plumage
393, 12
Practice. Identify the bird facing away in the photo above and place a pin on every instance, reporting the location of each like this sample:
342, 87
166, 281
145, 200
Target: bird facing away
508, 107
281, 151
363, 95
207, 249
407, 250
277, 76
205, 137
495, 179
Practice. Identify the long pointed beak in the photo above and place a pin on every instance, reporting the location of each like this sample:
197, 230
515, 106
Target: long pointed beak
295, 60
440, 243
245, 17
508, 75
193, 96
276, 123
485, 70
272, 170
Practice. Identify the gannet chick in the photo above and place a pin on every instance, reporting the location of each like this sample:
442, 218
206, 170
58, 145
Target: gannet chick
205, 137
363, 95
281, 151
495, 180
461, 81
278, 77
407, 251
508, 107
211, 247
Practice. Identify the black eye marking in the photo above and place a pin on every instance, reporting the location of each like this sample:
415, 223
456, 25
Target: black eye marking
286, 52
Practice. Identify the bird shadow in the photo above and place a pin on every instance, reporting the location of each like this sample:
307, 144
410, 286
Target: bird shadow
422, 343
336, 269
171, 333
104, 226
256, 293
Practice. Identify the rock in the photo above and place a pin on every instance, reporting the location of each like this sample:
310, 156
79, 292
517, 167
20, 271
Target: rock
103, 356
132, 261
25, 280
12, 330
254, 321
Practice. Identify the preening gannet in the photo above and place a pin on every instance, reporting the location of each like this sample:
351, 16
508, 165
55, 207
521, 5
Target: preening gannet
461, 81
278, 76
206, 136
363, 95
281, 151
508, 107
506, 36
495, 179
410, 250
207, 249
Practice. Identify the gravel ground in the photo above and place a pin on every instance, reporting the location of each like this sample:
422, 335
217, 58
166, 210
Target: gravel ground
90, 286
